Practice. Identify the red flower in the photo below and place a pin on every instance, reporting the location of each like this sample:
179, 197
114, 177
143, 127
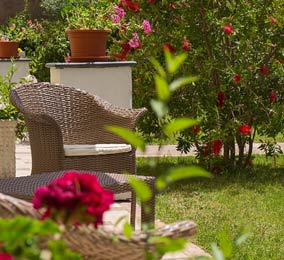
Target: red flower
206, 150
30, 23
237, 78
250, 162
152, 1
172, 6
220, 99
273, 20
169, 47
245, 129
196, 129
185, 45
217, 147
5, 256
74, 197
273, 96
264, 70
128, 4
228, 29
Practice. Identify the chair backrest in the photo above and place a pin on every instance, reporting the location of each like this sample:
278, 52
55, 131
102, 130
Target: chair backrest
71, 108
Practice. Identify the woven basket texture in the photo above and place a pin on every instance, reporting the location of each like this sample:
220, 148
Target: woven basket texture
7, 148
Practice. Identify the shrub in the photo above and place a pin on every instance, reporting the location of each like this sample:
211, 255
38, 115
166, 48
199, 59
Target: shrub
236, 49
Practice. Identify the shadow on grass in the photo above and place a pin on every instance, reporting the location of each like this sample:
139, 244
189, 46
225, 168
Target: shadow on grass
253, 177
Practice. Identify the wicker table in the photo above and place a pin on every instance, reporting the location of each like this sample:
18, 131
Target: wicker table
24, 187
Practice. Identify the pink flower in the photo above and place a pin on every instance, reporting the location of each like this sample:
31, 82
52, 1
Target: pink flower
115, 18
119, 11
217, 147
273, 96
135, 41
30, 23
228, 29
245, 129
220, 99
185, 45
146, 27
264, 70
74, 198
169, 47
68, 57
237, 78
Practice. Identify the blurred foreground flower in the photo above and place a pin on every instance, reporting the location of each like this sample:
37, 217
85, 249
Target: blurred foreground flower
74, 198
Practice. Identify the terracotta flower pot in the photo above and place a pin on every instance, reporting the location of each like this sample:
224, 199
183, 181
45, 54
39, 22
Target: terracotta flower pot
9, 49
88, 45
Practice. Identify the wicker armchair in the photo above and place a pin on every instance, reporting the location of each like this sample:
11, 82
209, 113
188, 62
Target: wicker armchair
101, 245
59, 117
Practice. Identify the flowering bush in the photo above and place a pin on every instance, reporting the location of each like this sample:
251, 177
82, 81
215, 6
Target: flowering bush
19, 28
74, 198
237, 50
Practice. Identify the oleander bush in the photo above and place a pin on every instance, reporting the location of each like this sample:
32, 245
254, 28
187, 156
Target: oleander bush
236, 49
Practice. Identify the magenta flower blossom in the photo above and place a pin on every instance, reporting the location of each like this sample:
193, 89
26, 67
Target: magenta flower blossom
119, 11
74, 198
115, 18
146, 27
135, 41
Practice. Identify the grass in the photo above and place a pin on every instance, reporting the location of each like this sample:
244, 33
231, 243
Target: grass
251, 201
258, 138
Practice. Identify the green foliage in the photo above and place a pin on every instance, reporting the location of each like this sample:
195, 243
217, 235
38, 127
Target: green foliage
7, 110
250, 77
129, 136
92, 14
21, 237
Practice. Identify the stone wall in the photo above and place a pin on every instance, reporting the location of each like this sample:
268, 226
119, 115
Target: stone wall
11, 7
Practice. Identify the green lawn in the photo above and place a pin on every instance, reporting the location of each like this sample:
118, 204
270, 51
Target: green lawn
252, 200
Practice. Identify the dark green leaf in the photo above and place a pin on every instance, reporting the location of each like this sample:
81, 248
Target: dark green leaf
128, 136
162, 88
158, 67
142, 190
165, 244
217, 253
174, 63
181, 173
242, 238
179, 124
176, 84
159, 107
127, 230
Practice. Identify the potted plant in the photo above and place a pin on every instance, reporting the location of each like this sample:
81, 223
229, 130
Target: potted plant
12, 33
8, 48
89, 22
8, 122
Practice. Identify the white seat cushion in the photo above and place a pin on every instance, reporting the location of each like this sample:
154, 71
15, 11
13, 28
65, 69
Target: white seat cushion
95, 149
